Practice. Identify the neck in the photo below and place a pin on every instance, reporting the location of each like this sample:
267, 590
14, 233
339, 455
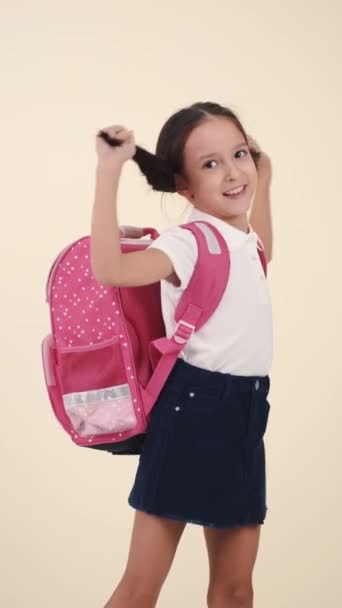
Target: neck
239, 222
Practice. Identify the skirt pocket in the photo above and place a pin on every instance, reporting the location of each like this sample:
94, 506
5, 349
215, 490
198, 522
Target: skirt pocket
96, 395
265, 417
259, 419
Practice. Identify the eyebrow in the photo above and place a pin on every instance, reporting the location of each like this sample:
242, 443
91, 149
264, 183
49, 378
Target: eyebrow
215, 153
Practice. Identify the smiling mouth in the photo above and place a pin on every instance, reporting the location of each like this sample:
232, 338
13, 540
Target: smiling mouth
235, 192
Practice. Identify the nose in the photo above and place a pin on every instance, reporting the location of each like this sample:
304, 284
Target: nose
231, 171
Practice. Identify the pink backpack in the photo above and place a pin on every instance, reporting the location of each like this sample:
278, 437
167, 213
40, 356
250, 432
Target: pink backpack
106, 359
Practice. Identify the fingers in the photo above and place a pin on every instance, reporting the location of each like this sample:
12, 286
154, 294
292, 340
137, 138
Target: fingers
116, 131
119, 132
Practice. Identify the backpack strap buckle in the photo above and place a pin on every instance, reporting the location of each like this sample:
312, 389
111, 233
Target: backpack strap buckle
183, 332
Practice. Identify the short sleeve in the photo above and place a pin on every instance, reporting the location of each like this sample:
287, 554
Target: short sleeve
181, 247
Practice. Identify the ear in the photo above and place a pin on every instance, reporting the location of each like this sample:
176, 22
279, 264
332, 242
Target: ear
182, 187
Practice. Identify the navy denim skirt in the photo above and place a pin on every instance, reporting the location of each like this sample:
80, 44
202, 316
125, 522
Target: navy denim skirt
203, 459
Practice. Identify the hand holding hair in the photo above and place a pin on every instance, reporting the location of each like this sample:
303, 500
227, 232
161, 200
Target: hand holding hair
122, 149
156, 170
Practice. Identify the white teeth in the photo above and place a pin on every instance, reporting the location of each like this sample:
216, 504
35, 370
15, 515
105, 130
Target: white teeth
236, 191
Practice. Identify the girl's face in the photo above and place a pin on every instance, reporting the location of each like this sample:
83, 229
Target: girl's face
217, 160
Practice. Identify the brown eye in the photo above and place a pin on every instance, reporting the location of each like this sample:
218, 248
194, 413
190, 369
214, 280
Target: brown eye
245, 151
208, 164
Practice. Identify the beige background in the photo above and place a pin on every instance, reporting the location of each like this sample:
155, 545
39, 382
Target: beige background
68, 69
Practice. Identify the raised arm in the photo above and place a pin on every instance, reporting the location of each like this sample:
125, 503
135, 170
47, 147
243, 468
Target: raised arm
260, 216
109, 265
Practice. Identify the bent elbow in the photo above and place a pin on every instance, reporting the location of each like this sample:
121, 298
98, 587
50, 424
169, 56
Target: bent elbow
108, 281
103, 278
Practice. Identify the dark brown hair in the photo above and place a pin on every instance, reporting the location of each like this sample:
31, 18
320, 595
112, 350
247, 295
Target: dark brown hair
161, 168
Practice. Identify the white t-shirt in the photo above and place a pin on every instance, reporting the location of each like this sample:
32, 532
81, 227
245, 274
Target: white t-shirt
238, 338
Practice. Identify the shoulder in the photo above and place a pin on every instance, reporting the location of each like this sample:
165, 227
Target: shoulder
175, 234
177, 239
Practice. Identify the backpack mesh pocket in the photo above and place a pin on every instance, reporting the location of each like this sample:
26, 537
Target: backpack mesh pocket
96, 394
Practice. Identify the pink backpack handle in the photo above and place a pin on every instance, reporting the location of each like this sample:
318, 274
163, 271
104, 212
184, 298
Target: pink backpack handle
134, 232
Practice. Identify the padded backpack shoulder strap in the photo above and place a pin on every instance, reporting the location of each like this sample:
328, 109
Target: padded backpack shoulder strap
210, 276
262, 256
198, 302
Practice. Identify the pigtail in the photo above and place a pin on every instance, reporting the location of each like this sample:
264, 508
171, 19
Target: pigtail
156, 170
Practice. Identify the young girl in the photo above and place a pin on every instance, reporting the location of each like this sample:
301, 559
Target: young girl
203, 460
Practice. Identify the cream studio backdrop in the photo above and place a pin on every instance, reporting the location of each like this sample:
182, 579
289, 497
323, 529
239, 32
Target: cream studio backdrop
69, 70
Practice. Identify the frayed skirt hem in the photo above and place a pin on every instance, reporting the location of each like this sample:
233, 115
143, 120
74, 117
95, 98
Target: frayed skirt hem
190, 520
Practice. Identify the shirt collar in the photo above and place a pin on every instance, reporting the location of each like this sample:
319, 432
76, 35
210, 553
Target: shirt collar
234, 237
